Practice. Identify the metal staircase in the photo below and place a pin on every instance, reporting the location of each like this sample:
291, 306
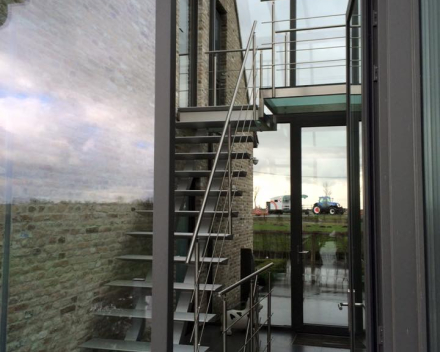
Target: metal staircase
213, 221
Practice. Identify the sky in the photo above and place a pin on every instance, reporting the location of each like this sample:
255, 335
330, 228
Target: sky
76, 100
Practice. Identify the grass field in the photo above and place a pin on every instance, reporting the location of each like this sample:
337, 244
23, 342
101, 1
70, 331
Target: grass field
272, 234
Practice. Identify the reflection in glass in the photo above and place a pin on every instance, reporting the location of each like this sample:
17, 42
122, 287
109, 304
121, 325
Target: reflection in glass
324, 225
272, 218
77, 134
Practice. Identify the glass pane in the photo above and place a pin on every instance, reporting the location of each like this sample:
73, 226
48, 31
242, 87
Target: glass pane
325, 47
324, 225
184, 51
272, 218
77, 136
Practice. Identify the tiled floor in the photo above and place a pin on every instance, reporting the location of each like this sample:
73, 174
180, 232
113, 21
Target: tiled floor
282, 341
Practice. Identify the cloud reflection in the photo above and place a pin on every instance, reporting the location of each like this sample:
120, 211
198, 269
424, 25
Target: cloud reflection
76, 100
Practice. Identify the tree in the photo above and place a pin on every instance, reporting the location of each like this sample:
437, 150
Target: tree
256, 191
326, 189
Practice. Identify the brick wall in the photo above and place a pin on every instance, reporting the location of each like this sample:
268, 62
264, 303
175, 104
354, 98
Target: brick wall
62, 254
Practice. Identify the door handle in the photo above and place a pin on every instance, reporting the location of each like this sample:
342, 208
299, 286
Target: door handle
342, 304
345, 304
303, 252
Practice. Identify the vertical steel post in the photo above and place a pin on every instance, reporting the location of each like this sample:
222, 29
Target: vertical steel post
286, 63
273, 49
254, 76
269, 314
196, 297
224, 323
251, 314
214, 79
261, 69
229, 179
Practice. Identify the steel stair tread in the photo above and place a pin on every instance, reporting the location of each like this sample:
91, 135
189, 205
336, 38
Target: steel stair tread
132, 346
211, 155
177, 259
181, 234
220, 124
212, 139
207, 173
195, 192
178, 286
146, 314
193, 212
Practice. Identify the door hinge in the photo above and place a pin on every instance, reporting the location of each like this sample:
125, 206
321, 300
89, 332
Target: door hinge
375, 18
380, 335
375, 73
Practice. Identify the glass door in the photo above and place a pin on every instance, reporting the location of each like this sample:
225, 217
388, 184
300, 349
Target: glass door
320, 246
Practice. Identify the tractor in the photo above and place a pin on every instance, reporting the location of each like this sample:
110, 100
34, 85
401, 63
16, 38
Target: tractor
327, 206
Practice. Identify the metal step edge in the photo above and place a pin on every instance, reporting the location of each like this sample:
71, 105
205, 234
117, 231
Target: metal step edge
192, 212
207, 173
132, 346
210, 155
146, 314
177, 259
182, 234
196, 193
212, 139
178, 286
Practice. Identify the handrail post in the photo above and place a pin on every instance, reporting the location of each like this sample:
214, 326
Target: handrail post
285, 60
196, 297
254, 76
273, 49
224, 323
269, 314
251, 314
261, 70
214, 79
230, 179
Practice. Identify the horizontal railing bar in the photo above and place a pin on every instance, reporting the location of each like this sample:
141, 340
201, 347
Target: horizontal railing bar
326, 47
304, 62
184, 54
245, 279
226, 51
226, 71
231, 88
308, 68
304, 18
308, 40
309, 28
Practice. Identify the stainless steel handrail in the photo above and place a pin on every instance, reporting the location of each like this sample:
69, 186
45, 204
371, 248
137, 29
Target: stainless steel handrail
251, 313
227, 51
310, 28
245, 279
217, 156
303, 18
